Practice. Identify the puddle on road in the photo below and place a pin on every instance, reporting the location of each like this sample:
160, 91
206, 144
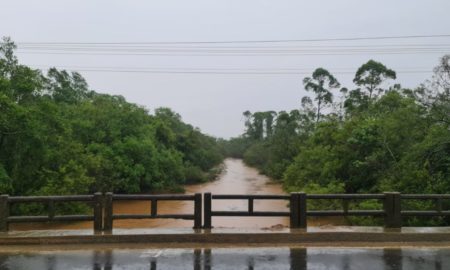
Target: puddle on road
231, 258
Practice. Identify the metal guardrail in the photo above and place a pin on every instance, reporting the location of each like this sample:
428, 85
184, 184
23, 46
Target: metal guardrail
103, 214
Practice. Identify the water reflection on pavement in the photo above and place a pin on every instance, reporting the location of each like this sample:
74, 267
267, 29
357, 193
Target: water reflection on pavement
231, 258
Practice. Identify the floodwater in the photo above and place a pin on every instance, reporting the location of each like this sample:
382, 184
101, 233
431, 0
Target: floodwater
231, 258
237, 178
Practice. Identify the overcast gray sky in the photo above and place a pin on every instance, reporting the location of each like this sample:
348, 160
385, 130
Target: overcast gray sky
215, 102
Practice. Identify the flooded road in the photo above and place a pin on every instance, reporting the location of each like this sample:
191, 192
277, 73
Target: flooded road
231, 258
237, 178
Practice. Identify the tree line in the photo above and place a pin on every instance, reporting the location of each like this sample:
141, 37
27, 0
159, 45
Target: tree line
374, 138
59, 137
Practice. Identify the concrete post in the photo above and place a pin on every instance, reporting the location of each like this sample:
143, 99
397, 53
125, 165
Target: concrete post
302, 223
51, 209
207, 198
392, 209
250, 205
294, 209
198, 211
98, 212
154, 208
4, 213
108, 217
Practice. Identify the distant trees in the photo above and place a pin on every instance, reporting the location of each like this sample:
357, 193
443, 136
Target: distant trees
260, 124
388, 138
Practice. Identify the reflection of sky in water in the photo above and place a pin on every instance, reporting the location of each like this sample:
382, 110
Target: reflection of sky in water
231, 258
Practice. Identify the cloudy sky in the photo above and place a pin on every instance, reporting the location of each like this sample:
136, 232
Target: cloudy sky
142, 51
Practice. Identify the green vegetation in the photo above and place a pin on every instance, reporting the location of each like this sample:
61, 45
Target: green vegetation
373, 139
59, 137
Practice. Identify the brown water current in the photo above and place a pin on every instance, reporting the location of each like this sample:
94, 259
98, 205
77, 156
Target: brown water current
237, 178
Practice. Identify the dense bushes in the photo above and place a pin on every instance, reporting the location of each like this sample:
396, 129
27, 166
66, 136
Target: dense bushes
375, 139
59, 137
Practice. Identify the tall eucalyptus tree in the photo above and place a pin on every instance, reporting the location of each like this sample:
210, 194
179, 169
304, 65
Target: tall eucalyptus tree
371, 75
321, 83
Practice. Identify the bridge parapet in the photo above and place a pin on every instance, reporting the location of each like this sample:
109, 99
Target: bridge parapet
95, 201
103, 214
110, 198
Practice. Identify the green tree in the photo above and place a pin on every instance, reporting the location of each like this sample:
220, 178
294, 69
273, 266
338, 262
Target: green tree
59, 137
371, 75
398, 141
8, 60
269, 119
321, 83
66, 87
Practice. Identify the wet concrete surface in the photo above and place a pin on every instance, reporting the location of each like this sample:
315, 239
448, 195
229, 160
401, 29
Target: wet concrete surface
224, 230
231, 258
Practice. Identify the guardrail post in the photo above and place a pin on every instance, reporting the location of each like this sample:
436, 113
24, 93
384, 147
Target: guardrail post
439, 205
51, 209
197, 211
98, 211
154, 208
302, 223
392, 209
295, 211
108, 217
250, 205
207, 209
298, 210
4, 213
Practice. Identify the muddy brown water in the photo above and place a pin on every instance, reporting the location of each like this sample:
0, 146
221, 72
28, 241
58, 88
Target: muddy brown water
237, 178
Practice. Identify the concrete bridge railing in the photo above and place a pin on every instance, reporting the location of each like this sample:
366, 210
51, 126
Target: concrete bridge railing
103, 208
95, 201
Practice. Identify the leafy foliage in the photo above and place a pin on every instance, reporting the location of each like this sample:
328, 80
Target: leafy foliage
396, 140
321, 83
59, 137
371, 75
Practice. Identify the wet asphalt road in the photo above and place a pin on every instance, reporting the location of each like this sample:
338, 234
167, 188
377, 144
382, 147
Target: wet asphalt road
231, 258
